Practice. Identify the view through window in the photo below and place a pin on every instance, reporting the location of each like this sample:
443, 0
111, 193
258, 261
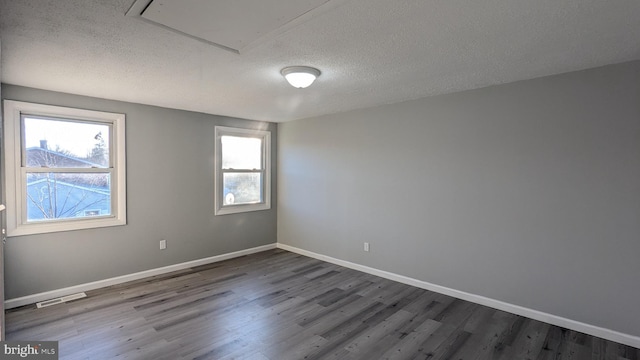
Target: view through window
242, 170
67, 168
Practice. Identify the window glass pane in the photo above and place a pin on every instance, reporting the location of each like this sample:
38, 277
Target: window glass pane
65, 144
242, 188
241, 153
52, 196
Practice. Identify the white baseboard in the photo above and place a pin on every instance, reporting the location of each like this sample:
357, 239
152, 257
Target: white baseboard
34, 298
600, 332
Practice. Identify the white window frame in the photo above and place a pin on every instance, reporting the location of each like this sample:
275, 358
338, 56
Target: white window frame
15, 178
265, 136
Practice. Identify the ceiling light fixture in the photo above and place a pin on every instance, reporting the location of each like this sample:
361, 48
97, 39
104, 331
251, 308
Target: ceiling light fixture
300, 76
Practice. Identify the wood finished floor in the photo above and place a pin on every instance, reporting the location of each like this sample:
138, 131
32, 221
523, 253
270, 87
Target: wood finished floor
279, 305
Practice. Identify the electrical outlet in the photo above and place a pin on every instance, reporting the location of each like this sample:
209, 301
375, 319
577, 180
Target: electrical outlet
366, 247
163, 244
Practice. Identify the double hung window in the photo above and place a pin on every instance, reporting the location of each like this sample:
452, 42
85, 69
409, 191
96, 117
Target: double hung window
65, 168
243, 171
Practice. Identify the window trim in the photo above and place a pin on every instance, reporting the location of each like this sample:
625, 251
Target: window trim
219, 208
15, 180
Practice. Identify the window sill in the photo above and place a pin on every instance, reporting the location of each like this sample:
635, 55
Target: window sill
235, 209
43, 228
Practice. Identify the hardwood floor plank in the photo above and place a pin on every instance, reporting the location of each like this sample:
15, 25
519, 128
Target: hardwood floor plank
349, 323
528, 344
279, 305
408, 345
367, 340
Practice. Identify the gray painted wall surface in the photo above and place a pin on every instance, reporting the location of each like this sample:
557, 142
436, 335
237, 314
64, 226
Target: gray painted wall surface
170, 167
528, 193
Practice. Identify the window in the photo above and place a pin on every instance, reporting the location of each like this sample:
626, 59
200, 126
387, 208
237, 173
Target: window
243, 170
65, 168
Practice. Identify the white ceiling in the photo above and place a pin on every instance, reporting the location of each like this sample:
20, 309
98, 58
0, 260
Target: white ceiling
228, 24
370, 52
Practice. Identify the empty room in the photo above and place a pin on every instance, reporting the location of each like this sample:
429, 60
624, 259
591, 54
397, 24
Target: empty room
320, 179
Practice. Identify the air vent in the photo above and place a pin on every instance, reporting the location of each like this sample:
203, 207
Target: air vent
60, 300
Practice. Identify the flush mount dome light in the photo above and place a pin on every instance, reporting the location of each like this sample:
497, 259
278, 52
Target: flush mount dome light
300, 76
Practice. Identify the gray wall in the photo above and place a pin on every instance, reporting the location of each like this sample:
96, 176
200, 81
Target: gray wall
170, 167
528, 193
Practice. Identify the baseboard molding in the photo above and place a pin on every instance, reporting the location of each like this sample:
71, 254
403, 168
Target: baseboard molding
608, 334
34, 298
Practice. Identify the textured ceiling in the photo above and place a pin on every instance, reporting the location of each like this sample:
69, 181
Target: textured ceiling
370, 52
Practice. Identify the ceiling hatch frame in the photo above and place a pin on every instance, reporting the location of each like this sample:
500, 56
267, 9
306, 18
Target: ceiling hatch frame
139, 7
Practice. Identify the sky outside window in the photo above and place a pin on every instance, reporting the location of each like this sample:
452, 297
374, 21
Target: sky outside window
78, 139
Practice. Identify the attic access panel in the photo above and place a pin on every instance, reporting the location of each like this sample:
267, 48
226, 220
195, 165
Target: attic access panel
232, 25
